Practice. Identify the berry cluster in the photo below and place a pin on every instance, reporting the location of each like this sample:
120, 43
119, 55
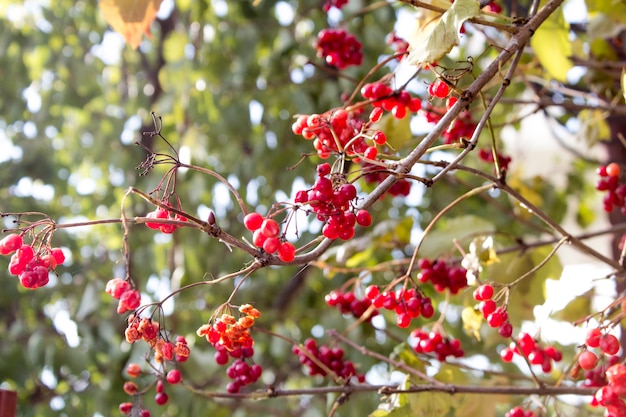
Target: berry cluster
462, 127
161, 213
328, 4
120, 289
434, 342
520, 412
407, 304
266, 235
231, 333
536, 354
161, 398
396, 102
332, 202
374, 175
241, 372
442, 275
339, 48
331, 358
29, 266
331, 132
486, 155
149, 331
609, 182
609, 395
607, 343
347, 303
596, 377
496, 317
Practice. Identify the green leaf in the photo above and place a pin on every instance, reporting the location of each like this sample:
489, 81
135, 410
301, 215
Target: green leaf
576, 309
552, 46
398, 131
593, 126
404, 353
437, 36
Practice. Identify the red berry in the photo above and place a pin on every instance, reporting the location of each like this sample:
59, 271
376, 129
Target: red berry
287, 252
484, 292
126, 408
270, 228
363, 218
144, 413
371, 152
376, 114
372, 291
439, 89
161, 398
593, 338
133, 370
587, 360
612, 169
58, 255
160, 387
271, 244
253, 221
173, 376
609, 344
379, 138
10, 244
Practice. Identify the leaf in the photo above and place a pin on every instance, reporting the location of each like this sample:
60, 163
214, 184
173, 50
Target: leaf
398, 131
552, 46
404, 353
593, 126
130, 18
436, 37
576, 309
472, 321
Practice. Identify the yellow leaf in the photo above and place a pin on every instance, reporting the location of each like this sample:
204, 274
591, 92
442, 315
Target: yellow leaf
436, 37
552, 46
130, 18
472, 320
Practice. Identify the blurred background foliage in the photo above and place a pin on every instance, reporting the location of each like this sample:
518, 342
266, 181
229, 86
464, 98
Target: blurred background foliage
227, 78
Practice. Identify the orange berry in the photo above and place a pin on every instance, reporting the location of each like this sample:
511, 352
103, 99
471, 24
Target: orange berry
612, 169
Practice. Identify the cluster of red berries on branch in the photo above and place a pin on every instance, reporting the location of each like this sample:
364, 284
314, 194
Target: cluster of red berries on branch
339, 48
348, 303
241, 372
609, 395
29, 265
595, 364
462, 127
148, 330
133, 370
497, 317
406, 303
610, 182
486, 155
432, 342
230, 333
334, 131
332, 201
266, 235
442, 275
328, 4
373, 174
536, 354
399, 103
520, 412
332, 358
163, 214
122, 290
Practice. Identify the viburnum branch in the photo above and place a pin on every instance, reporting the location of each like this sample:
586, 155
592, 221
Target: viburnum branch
399, 365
